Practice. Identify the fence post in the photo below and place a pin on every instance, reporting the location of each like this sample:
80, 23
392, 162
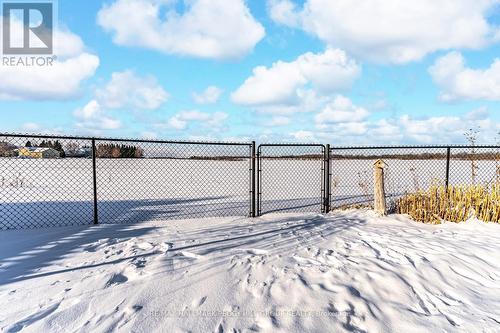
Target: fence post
448, 155
258, 188
379, 188
253, 185
327, 180
94, 180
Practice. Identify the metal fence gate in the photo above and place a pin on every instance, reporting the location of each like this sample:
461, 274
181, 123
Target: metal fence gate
291, 178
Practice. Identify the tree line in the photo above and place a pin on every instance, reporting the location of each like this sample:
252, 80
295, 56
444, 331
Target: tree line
111, 150
72, 149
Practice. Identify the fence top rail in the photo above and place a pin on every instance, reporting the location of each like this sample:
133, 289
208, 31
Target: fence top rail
418, 147
292, 145
67, 137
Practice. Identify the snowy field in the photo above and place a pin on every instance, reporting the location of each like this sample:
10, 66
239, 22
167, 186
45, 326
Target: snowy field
59, 192
346, 271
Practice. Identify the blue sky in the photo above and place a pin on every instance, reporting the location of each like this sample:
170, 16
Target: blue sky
277, 70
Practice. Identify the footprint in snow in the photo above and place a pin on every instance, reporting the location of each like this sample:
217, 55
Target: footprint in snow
116, 279
256, 251
166, 246
188, 255
199, 302
137, 308
139, 263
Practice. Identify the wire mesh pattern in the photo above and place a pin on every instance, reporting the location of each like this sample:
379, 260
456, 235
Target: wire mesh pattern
475, 166
291, 178
171, 181
50, 182
45, 182
409, 170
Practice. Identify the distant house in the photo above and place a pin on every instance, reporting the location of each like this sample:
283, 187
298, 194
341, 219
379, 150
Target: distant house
84, 152
38, 152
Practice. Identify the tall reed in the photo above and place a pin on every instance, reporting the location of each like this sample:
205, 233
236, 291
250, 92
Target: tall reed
454, 204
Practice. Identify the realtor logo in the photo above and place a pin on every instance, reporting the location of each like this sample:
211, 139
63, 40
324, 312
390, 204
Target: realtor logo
28, 27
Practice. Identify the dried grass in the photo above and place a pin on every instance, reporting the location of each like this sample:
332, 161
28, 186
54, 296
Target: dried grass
454, 204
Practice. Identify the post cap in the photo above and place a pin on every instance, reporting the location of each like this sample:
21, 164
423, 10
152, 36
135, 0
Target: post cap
380, 164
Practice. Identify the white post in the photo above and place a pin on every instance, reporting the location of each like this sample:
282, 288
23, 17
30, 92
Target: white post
379, 195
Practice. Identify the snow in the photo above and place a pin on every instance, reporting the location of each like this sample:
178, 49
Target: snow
56, 192
345, 271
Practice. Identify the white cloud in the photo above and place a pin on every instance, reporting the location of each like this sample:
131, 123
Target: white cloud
176, 123
303, 135
284, 12
457, 82
60, 81
284, 83
67, 44
206, 28
279, 121
385, 129
426, 130
92, 117
437, 129
149, 135
351, 128
344, 123
341, 110
182, 120
308, 100
392, 30
480, 113
31, 127
36, 128
126, 89
210, 95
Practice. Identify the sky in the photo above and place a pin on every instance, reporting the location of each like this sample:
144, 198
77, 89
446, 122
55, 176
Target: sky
332, 71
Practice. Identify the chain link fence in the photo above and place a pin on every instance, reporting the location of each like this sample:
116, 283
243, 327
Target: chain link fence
409, 170
475, 166
58, 181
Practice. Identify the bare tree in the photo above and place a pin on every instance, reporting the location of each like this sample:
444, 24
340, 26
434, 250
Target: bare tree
4, 148
139, 153
103, 151
115, 152
72, 148
471, 136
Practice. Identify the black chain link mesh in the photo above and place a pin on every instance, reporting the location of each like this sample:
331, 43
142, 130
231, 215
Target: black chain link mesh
171, 181
409, 170
48, 181
136, 181
38, 190
291, 178
474, 166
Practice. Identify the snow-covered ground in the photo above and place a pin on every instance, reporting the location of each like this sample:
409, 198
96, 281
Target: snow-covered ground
346, 271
